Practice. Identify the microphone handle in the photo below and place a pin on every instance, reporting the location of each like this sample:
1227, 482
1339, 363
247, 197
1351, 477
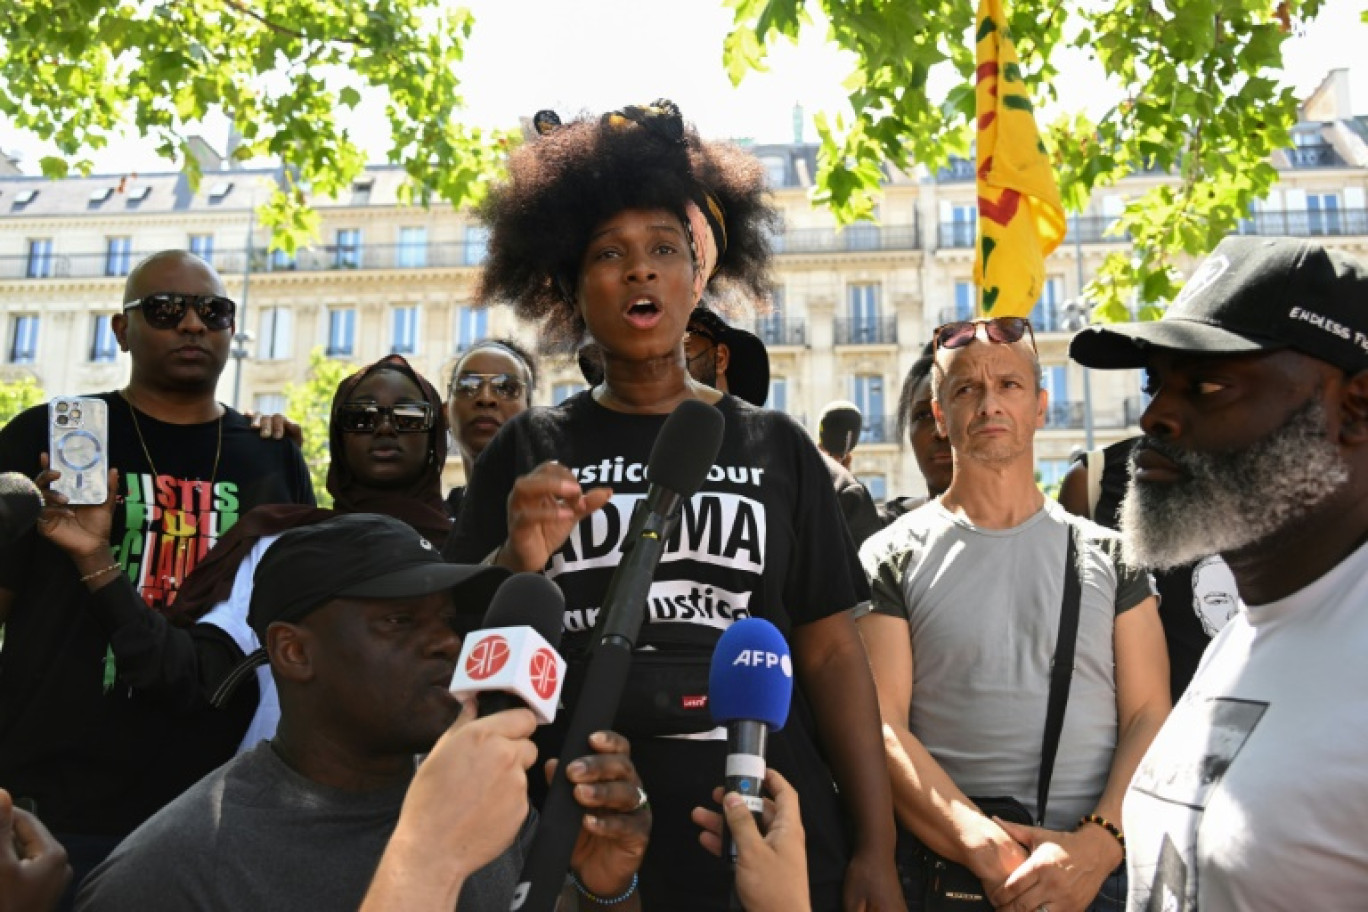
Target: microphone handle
610, 659
746, 743
496, 701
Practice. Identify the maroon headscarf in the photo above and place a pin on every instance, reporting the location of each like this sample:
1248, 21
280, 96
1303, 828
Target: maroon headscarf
419, 504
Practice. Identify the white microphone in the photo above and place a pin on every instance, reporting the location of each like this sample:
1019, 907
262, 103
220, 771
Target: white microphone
513, 661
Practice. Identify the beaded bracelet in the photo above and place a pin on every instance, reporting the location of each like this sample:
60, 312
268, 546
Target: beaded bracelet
1107, 825
101, 572
603, 900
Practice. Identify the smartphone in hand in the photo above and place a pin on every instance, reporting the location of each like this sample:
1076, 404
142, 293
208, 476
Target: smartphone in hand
78, 448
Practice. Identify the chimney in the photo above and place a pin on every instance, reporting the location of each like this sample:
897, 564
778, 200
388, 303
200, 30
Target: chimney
1330, 100
209, 160
797, 124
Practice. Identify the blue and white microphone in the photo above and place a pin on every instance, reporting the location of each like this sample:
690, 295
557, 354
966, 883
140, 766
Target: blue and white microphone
750, 686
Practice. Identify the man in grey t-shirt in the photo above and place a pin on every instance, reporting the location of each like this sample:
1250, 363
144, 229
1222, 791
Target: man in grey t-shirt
961, 634
301, 821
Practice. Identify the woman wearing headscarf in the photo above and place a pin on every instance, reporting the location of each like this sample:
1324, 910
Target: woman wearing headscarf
614, 228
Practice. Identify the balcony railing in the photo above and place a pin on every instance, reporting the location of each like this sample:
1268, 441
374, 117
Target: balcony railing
957, 234
874, 331
778, 331
1068, 415
879, 429
1307, 222
857, 237
1315, 155
1045, 318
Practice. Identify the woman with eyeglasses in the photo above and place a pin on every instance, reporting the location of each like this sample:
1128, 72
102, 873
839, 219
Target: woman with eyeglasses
387, 441
490, 383
613, 228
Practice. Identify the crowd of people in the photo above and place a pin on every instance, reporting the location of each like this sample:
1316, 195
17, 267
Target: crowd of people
215, 694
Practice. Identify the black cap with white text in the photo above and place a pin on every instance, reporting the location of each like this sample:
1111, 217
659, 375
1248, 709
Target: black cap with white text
1251, 294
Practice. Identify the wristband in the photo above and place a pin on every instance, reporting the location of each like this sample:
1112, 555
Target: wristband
603, 900
1107, 825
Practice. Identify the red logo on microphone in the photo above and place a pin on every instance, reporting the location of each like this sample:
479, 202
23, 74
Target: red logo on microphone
487, 658
543, 673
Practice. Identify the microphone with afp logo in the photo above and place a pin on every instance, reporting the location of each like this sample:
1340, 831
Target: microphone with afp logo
513, 661
750, 687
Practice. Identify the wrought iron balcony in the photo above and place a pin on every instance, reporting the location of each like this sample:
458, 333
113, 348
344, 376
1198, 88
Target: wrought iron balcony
873, 331
778, 331
857, 237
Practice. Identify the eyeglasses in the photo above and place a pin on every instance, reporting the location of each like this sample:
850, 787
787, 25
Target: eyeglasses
405, 418
505, 386
1002, 330
165, 310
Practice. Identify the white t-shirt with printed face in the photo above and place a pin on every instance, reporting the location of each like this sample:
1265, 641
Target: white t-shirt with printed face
1254, 795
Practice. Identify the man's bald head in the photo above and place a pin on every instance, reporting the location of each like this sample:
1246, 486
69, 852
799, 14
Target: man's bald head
172, 271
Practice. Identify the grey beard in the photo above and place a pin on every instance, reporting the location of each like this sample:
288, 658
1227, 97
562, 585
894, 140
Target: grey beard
1230, 500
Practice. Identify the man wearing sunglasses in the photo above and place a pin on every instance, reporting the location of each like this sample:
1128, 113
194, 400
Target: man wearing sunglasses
969, 591
100, 715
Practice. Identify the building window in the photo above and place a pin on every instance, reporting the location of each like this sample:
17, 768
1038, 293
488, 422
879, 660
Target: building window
104, 347
863, 309
405, 330
24, 340
867, 392
412, 248
1052, 471
1045, 315
274, 339
269, 403
778, 394
472, 325
342, 332
963, 226
280, 260
40, 258
1322, 213
877, 485
348, 252
562, 391
118, 256
776, 170
1060, 411
476, 244
202, 246
964, 302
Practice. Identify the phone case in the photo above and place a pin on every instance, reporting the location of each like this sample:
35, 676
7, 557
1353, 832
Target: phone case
78, 447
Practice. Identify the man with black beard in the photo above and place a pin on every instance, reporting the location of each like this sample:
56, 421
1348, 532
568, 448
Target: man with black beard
1256, 447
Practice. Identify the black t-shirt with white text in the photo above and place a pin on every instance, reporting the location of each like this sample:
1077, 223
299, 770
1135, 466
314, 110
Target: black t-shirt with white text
763, 537
92, 754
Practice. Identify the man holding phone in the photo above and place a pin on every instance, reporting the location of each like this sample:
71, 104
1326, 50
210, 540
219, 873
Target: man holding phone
91, 737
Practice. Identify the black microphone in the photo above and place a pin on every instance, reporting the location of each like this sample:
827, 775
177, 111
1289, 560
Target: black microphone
20, 504
680, 459
512, 660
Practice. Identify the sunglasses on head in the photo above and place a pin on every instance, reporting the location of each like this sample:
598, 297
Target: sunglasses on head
365, 418
165, 310
1002, 330
505, 386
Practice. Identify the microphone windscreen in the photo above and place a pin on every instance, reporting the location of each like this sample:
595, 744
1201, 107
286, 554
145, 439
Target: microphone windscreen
20, 504
686, 447
528, 600
751, 678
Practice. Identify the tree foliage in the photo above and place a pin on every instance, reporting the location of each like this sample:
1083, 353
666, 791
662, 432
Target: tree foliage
76, 72
17, 395
1198, 99
309, 404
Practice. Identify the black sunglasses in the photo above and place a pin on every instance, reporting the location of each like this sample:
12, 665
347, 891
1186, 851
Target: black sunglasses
505, 386
165, 310
405, 418
1002, 330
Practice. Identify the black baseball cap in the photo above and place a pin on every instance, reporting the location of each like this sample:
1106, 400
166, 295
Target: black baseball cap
354, 555
748, 371
1251, 294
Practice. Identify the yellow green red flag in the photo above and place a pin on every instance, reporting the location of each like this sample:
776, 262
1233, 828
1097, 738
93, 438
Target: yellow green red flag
1020, 216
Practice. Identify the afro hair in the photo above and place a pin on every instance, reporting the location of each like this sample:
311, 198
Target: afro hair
568, 181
